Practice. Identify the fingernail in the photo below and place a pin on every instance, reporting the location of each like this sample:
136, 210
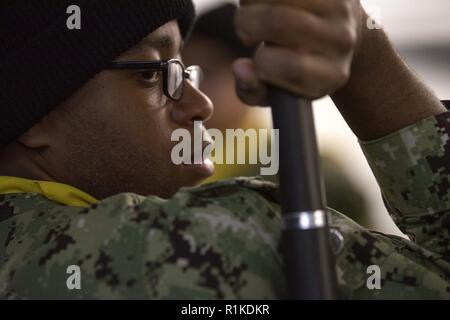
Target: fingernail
243, 71
244, 76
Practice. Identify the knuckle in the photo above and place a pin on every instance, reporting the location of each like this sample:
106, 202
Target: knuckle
275, 25
300, 24
260, 62
314, 92
342, 76
242, 26
302, 27
344, 8
268, 14
308, 23
319, 92
267, 63
347, 38
329, 83
295, 71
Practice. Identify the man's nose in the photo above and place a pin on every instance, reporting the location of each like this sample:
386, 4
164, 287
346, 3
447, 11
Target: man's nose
194, 106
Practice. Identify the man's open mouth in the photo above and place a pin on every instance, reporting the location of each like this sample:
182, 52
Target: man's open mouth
202, 162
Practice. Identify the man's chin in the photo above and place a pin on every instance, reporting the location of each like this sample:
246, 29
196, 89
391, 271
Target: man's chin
168, 183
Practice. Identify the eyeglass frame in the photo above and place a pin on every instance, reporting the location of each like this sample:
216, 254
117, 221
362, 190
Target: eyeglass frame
160, 66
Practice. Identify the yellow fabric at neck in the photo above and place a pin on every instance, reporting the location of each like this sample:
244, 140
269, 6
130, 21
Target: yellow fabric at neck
54, 191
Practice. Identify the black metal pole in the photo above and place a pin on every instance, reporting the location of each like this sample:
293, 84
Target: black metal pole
309, 262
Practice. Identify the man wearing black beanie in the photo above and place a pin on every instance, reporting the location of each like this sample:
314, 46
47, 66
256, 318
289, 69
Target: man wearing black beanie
92, 205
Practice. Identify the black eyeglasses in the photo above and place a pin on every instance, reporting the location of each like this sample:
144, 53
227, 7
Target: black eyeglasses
173, 71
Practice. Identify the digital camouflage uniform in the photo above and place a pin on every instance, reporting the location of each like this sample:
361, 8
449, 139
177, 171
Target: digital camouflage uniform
221, 240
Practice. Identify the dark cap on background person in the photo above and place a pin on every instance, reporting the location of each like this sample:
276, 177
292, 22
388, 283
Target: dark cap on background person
42, 62
218, 24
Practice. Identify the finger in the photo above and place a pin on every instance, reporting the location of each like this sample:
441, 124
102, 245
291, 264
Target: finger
249, 88
294, 28
319, 7
311, 76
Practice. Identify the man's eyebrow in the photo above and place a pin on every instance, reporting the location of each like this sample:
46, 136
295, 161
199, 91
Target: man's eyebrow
163, 43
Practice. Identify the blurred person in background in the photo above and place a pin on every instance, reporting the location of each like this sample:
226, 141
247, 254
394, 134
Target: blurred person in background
215, 46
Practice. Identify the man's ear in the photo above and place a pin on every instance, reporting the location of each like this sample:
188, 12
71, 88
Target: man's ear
39, 136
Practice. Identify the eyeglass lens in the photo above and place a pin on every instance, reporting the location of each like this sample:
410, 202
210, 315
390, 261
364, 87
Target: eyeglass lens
175, 81
195, 76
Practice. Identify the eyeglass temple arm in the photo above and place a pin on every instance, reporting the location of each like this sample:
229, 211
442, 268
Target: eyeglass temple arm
136, 65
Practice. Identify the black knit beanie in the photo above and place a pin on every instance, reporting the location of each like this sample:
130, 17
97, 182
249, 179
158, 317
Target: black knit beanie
42, 62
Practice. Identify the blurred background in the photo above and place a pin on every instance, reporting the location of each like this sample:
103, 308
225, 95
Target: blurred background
420, 30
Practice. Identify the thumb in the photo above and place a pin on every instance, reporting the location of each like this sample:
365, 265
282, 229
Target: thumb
249, 88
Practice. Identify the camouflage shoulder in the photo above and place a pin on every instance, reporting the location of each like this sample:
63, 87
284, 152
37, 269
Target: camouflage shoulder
267, 189
198, 244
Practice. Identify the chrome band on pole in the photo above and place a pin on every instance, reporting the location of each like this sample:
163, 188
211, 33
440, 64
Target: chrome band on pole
306, 220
